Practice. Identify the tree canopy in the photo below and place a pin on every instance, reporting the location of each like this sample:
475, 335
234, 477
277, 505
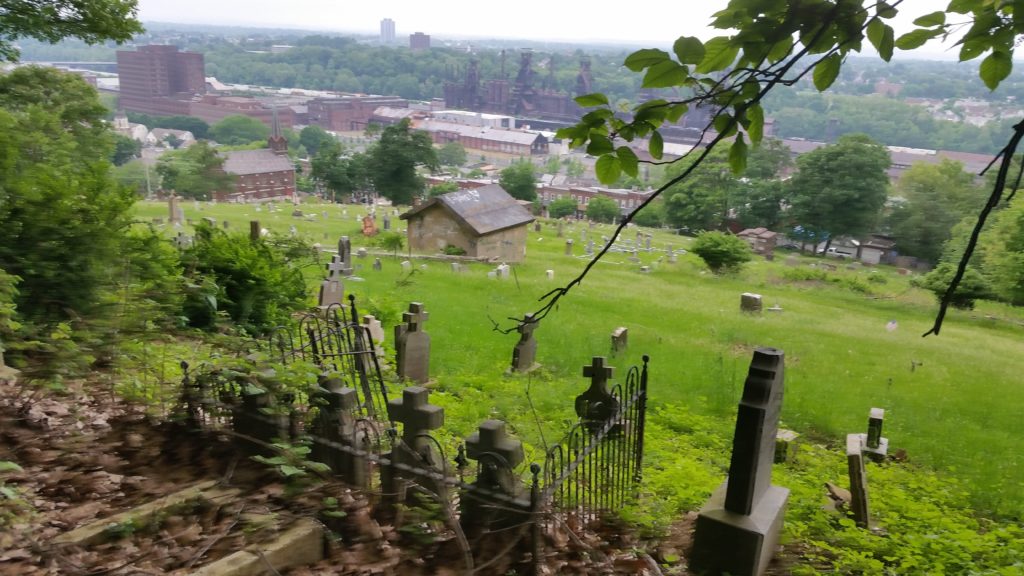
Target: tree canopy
520, 180
392, 162
601, 209
237, 129
93, 21
195, 172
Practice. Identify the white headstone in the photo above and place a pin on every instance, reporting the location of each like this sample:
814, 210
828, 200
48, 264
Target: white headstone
551, 274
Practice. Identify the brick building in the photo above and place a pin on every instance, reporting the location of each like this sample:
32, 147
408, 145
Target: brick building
348, 113
159, 79
419, 41
486, 138
627, 200
263, 174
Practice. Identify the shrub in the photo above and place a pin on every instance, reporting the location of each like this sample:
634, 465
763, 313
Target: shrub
721, 252
562, 207
454, 251
601, 209
257, 284
974, 286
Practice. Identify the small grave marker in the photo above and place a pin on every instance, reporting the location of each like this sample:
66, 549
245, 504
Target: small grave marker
620, 340
858, 479
876, 446
750, 303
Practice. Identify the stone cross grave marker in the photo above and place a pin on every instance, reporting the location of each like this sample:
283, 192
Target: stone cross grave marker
620, 340
345, 253
418, 417
373, 328
332, 290
858, 479
738, 529
596, 405
498, 455
875, 446
335, 425
412, 345
525, 351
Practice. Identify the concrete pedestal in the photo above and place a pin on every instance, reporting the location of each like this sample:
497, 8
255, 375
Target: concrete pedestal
740, 545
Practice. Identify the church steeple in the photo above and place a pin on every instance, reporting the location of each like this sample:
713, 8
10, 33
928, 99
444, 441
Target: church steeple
277, 143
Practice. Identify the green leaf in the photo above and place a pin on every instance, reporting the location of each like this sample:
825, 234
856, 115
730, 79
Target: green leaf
599, 145
886, 11
974, 47
608, 168
676, 111
755, 114
595, 99
656, 146
665, 75
8, 466
724, 124
881, 37
628, 160
780, 49
719, 54
645, 58
934, 19
995, 68
916, 38
738, 155
290, 471
9, 493
689, 50
826, 71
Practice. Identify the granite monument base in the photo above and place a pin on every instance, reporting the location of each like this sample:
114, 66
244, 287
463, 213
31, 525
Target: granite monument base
740, 545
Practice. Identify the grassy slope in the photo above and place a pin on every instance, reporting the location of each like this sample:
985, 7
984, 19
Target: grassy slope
956, 410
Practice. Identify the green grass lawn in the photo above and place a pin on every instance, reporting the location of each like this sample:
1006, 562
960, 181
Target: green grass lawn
953, 402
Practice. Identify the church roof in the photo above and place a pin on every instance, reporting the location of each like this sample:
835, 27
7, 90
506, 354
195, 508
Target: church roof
243, 162
484, 210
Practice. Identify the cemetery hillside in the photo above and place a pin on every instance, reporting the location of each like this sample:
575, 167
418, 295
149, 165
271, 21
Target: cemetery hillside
284, 303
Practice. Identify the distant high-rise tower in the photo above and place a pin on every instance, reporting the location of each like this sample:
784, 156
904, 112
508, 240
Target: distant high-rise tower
419, 41
387, 31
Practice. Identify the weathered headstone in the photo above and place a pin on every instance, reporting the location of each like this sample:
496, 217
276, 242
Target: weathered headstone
373, 329
332, 289
293, 231
596, 405
182, 241
497, 455
406, 266
175, 215
620, 340
525, 351
417, 417
387, 222
504, 271
738, 529
568, 247
550, 274
647, 242
254, 230
335, 430
224, 224
361, 253
412, 345
536, 226
377, 265
561, 228
645, 269
786, 443
456, 267
876, 446
345, 253
750, 303
858, 480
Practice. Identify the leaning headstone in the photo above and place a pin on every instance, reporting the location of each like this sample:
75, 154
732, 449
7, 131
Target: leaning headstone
412, 345
738, 529
525, 351
620, 340
875, 446
858, 480
750, 303
568, 247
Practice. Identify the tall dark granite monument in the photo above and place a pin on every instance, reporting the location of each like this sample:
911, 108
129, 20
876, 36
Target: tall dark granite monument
738, 529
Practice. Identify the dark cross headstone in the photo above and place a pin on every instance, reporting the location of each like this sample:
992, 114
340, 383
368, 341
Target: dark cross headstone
525, 351
412, 345
418, 417
335, 431
739, 527
596, 406
858, 479
498, 455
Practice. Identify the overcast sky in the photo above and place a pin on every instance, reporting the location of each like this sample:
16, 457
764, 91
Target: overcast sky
653, 22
